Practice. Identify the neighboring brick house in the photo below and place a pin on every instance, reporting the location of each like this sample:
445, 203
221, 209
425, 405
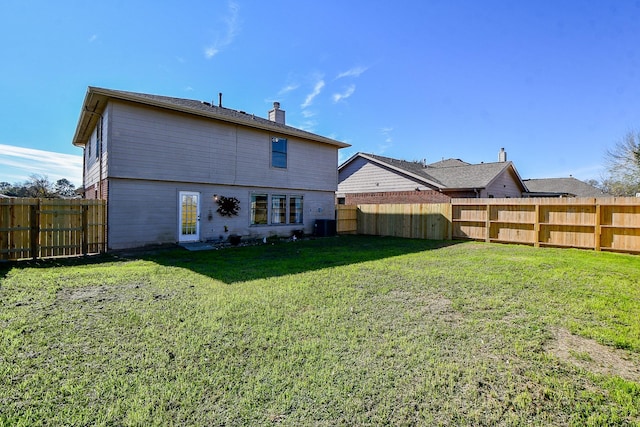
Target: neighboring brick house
369, 178
164, 163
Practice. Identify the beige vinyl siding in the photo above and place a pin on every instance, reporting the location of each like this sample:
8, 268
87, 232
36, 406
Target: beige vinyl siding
146, 212
92, 161
153, 144
362, 176
505, 185
310, 165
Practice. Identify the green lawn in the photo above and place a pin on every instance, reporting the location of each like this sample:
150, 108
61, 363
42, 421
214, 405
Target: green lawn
335, 331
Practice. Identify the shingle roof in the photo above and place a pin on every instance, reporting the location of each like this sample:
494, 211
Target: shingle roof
468, 176
451, 173
415, 168
97, 98
445, 163
566, 186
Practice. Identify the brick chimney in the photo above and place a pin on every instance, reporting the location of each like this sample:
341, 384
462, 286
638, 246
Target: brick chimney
502, 156
276, 115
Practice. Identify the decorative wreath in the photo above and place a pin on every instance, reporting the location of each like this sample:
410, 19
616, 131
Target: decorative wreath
228, 206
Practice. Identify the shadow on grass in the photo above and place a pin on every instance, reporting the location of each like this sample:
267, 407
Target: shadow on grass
261, 261
238, 264
6, 266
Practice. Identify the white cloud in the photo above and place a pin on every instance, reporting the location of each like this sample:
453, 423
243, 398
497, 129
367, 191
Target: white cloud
354, 72
308, 125
317, 88
93, 38
306, 114
232, 30
388, 140
337, 97
288, 88
210, 52
20, 162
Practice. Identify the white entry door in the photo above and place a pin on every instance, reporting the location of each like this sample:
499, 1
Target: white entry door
189, 215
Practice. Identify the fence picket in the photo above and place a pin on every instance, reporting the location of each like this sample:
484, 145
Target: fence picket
43, 228
611, 224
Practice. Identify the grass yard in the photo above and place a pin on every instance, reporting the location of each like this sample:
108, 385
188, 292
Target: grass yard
351, 330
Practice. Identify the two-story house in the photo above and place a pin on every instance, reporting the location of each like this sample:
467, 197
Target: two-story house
163, 164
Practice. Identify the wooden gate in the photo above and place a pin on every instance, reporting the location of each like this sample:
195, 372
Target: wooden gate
45, 228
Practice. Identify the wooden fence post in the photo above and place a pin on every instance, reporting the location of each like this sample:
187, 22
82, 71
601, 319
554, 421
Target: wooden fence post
34, 211
598, 228
85, 229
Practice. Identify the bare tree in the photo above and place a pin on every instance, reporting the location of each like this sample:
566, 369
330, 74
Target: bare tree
40, 186
623, 166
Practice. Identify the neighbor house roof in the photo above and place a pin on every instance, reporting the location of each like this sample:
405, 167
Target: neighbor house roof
471, 176
96, 100
450, 174
562, 187
445, 163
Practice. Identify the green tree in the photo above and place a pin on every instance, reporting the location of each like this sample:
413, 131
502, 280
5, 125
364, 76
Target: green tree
65, 189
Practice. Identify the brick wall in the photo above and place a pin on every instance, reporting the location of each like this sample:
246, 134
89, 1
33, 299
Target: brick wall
91, 192
427, 196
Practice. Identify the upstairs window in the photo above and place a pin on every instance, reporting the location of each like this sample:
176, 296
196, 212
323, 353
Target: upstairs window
98, 137
278, 152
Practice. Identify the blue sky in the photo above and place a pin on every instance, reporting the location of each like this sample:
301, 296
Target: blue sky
556, 83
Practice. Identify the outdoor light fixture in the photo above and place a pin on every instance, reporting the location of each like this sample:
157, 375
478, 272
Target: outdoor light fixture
215, 197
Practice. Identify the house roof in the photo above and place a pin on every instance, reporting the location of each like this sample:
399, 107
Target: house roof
413, 169
450, 174
445, 163
562, 186
96, 100
471, 176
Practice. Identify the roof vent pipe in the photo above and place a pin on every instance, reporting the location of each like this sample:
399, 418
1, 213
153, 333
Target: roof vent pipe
220, 99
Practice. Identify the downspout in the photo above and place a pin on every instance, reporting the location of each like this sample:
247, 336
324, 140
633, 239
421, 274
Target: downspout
84, 170
477, 193
100, 157
101, 123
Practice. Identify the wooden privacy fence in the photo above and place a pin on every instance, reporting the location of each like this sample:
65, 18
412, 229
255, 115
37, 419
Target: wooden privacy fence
611, 224
44, 228
416, 220
590, 223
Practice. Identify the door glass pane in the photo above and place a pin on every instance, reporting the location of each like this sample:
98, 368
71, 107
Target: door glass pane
189, 214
